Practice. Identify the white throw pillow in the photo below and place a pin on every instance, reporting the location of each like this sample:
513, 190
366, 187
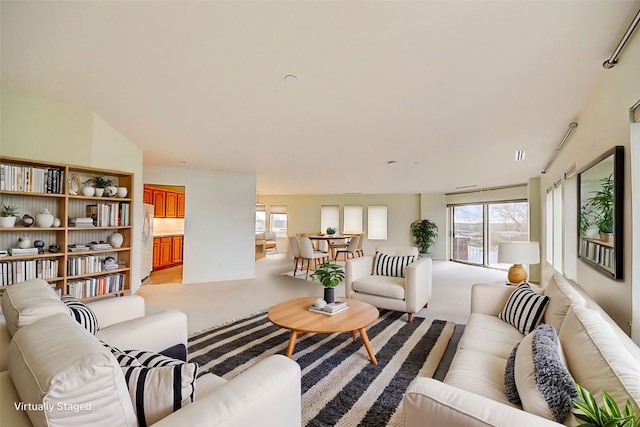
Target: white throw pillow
545, 386
524, 309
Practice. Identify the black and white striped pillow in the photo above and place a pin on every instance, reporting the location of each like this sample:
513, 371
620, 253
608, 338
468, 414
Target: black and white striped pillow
158, 391
524, 308
389, 265
83, 314
123, 358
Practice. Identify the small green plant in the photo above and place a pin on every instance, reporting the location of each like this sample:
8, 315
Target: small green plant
8, 210
330, 275
425, 233
100, 181
591, 415
331, 231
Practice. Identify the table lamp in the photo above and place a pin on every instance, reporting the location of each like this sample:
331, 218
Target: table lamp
518, 253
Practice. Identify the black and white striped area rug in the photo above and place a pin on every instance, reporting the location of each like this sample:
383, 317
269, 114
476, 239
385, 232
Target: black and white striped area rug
340, 386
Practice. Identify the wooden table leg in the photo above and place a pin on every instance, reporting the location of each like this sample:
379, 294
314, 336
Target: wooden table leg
367, 345
353, 334
292, 342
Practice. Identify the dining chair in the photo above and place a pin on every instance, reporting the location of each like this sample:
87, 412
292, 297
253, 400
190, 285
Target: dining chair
307, 253
360, 251
295, 251
351, 248
333, 245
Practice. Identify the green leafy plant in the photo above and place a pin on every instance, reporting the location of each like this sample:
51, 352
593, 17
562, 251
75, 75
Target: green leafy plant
331, 230
425, 233
601, 204
591, 415
330, 275
8, 210
100, 181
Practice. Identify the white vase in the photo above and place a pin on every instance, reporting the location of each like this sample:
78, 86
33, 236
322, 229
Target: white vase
7, 221
88, 191
122, 192
99, 192
56, 222
44, 219
24, 242
116, 239
111, 191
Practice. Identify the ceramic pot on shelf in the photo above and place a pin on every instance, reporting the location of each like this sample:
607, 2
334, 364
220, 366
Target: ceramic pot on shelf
88, 191
122, 192
99, 192
44, 219
56, 222
111, 191
116, 239
24, 242
8, 221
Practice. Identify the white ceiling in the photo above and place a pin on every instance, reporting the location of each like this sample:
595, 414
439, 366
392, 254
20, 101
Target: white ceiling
447, 89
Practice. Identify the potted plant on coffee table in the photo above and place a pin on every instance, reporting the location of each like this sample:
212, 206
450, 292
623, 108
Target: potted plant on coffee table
330, 275
8, 215
424, 232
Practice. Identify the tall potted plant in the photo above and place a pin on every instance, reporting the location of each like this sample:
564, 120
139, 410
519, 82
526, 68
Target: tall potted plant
330, 275
425, 233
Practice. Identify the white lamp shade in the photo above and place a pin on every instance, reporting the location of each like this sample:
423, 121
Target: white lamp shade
518, 253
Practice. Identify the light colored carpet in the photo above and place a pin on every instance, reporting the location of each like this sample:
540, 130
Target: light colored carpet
215, 303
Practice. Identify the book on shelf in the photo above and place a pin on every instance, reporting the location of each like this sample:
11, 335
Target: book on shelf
20, 251
330, 309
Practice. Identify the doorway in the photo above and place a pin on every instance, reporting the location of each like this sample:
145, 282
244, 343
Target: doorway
163, 246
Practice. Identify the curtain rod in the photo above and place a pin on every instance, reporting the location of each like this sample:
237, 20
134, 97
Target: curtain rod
613, 60
572, 126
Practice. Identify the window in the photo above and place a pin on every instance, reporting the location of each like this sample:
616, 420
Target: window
377, 223
557, 227
278, 221
329, 217
261, 219
508, 222
468, 234
352, 220
549, 231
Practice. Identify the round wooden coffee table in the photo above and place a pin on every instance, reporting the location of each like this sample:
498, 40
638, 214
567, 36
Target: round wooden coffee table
295, 316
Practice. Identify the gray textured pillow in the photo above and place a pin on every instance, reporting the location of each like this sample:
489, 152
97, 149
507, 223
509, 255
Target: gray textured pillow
510, 388
544, 383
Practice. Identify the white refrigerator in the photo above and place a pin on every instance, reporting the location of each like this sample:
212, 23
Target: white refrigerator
147, 240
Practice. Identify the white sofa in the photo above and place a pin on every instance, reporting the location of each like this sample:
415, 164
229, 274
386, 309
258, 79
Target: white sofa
408, 294
599, 356
48, 357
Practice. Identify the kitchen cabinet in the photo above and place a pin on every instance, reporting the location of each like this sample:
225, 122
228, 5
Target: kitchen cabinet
167, 251
159, 203
167, 204
171, 205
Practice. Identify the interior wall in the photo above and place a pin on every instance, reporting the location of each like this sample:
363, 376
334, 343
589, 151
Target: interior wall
40, 129
219, 222
303, 214
604, 123
434, 207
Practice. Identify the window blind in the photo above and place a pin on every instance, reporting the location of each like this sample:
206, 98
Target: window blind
352, 220
377, 222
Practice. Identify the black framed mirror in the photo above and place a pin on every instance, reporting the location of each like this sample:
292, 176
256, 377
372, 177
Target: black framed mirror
601, 213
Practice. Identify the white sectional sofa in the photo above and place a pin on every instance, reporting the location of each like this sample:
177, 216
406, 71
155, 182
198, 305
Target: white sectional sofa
50, 366
599, 356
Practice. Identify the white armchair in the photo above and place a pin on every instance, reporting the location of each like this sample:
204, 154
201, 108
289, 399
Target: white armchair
409, 293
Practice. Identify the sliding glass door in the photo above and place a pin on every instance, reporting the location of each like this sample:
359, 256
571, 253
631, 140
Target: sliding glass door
477, 230
468, 234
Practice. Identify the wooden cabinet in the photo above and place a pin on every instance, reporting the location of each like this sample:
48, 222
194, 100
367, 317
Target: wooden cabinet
167, 204
171, 205
167, 252
147, 196
159, 203
181, 200
176, 252
78, 266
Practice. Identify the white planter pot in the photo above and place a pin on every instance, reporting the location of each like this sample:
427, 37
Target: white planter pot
99, 192
88, 191
122, 192
116, 240
111, 191
7, 221
44, 219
